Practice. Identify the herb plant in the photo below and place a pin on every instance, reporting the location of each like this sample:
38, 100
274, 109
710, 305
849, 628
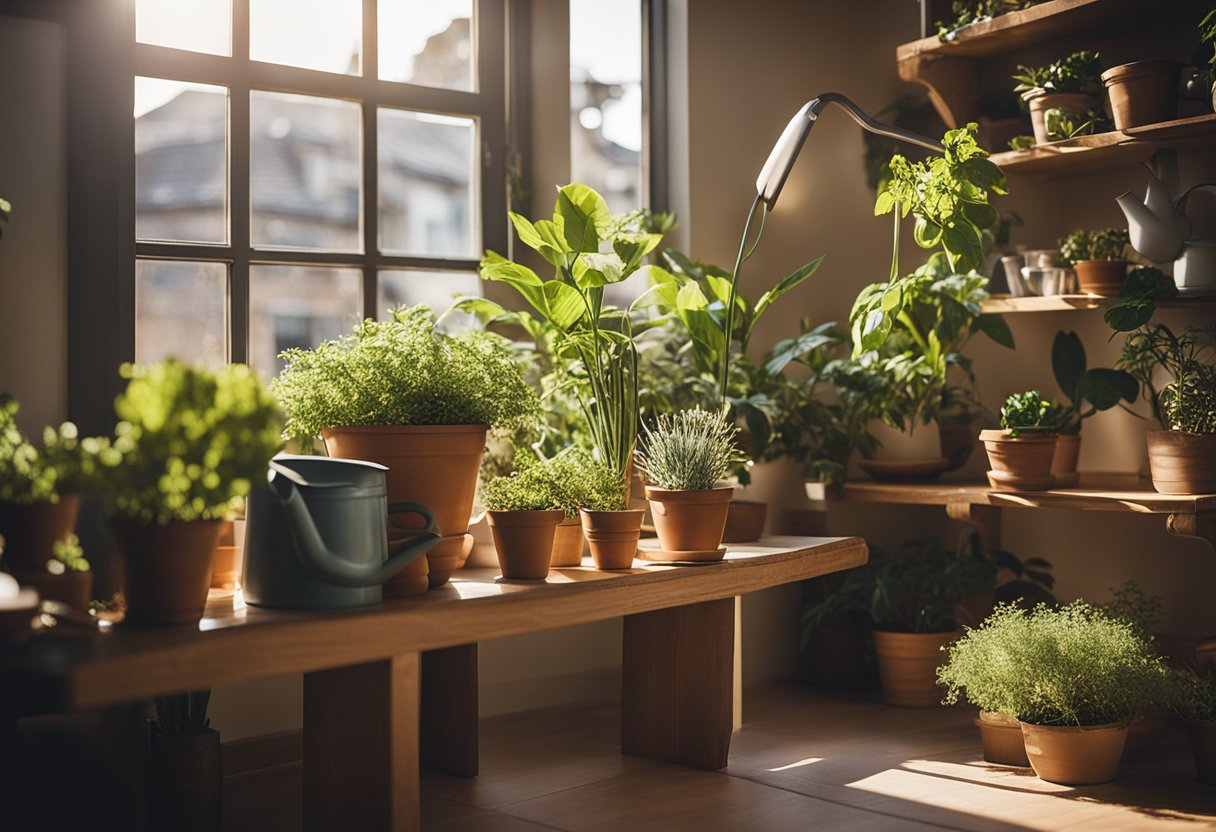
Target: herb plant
1060, 124
1029, 412
916, 590
403, 371
1129, 602
689, 450
1022, 142
1088, 391
530, 489
32, 475
1079, 72
967, 12
1187, 401
69, 556
1193, 696
1207, 37
598, 488
1106, 244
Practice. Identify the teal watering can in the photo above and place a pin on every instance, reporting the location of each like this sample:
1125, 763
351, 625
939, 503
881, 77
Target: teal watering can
316, 537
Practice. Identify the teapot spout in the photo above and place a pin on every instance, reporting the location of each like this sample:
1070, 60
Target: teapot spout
1158, 236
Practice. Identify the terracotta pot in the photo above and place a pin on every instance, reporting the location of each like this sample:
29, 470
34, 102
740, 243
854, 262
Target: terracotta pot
907, 665
1019, 463
1101, 277
227, 563
1064, 460
72, 588
1075, 755
186, 782
568, 544
744, 521
435, 465
922, 444
166, 569
1181, 462
957, 441
995, 135
689, 521
31, 531
411, 579
1143, 92
1203, 747
1041, 101
1001, 736
612, 536
524, 541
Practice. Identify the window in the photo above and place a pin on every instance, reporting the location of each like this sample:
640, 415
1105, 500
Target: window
299, 167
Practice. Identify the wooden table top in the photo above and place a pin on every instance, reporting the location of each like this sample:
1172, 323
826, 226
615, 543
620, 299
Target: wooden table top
68, 669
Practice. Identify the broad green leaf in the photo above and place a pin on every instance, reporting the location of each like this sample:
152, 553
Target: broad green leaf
602, 269
660, 295
564, 302
679, 262
1068, 364
892, 298
884, 204
1104, 388
995, 327
1127, 314
984, 174
483, 309
582, 215
522, 278
981, 214
632, 251
785, 284
526, 231
963, 245
926, 232
875, 330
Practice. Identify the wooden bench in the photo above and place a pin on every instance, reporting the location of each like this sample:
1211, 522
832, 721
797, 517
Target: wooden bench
390, 687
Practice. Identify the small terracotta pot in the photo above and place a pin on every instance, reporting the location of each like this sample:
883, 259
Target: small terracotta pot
167, 569
1143, 92
612, 536
72, 588
1064, 460
411, 579
995, 135
1203, 747
744, 521
958, 442
1181, 462
524, 541
1101, 277
689, 521
907, 665
186, 782
1001, 736
227, 564
1075, 755
1041, 101
568, 544
30, 531
434, 465
1019, 463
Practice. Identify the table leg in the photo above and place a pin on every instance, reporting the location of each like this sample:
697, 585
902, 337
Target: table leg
449, 710
361, 746
677, 686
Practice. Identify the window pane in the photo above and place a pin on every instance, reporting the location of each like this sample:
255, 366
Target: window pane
427, 42
196, 25
299, 306
326, 35
606, 99
435, 288
181, 161
305, 172
181, 310
428, 201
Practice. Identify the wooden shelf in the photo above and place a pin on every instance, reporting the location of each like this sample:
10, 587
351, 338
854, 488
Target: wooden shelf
1007, 304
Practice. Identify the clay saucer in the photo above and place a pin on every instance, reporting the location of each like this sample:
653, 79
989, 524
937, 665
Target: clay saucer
682, 558
916, 470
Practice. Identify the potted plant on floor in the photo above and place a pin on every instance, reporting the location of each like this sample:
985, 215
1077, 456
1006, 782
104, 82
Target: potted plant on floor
186, 768
1088, 391
913, 608
1193, 698
401, 393
1070, 85
684, 457
189, 443
524, 509
1099, 259
1021, 453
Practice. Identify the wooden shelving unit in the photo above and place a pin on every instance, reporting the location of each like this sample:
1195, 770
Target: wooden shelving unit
1007, 304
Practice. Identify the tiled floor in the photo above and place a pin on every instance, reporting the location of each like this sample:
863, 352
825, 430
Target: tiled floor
804, 761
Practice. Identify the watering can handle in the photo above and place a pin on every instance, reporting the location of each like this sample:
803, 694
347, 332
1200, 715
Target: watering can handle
432, 525
404, 552
1180, 205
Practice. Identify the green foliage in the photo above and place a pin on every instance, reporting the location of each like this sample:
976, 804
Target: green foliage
1193, 696
1029, 412
1079, 72
599, 488
1031, 583
567, 481
189, 443
1130, 603
403, 371
689, 450
1022, 142
1073, 665
30, 475
1136, 304
828, 599
529, 489
1099, 389
1187, 402
967, 12
916, 590
1106, 244
1060, 124
69, 556
1207, 37
183, 715
948, 195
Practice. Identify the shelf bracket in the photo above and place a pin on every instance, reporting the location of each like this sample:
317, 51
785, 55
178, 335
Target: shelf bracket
985, 520
950, 81
1201, 525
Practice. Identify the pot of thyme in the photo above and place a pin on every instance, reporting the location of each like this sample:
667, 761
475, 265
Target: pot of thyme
913, 609
1193, 698
402, 393
523, 510
1087, 391
186, 771
1072, 85
1099, 259
1022, 451
684, 456
190, 442
612, 528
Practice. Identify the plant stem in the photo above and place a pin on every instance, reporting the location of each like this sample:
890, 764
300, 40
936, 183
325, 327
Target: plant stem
730, 303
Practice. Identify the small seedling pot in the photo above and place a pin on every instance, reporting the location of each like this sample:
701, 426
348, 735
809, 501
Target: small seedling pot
612, 536
1143, 92
689, 521
1064, 460
166, 569
1001, 737
1101, 277
1041, 101
1019, 463
1181, 462
568, 544
524, 542
1075, 755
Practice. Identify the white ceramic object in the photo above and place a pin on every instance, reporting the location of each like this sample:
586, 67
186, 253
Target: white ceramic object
1195, 268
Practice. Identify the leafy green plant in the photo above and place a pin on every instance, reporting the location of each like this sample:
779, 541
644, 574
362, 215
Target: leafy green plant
1193, 696
849, 594
689, 450
1060, 124
1129, 602
1137, 300
32, 475
1022, 142
530, 489
1073, 665
1207, 37
564, 482
1187, 401
1088, 391
1106, 244
916, 590
967, 12
598, 489
1079, 72
1029, 412
183, 715
190, 442
403, 371
69, 556
1031, 582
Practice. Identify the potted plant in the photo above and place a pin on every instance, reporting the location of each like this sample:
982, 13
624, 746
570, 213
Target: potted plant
523, 512
836, 628
1193, 698
189, 443
402, 393
913, 608
684, 456
1088, 391
1022, 452
186, 769
1143, 92
1099, 258
1070, 85
611, 527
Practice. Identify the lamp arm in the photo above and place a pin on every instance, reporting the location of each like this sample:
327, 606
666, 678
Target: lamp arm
877, 127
